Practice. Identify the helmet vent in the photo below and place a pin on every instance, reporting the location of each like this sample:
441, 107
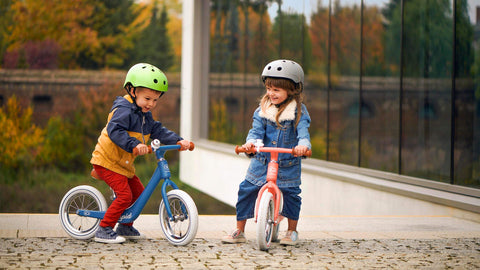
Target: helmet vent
155, 80
269, 67
279, 68
164, 82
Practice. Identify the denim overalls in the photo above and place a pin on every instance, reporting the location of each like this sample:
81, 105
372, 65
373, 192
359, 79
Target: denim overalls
287, 136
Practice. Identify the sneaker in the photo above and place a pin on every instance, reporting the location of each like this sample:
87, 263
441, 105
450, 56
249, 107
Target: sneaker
235, 237
290, 239
107, 235
129, 232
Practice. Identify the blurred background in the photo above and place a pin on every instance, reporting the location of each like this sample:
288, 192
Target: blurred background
62, 65
391, 85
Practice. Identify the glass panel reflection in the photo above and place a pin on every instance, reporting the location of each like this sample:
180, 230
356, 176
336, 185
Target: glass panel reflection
428, 47
467, 95
344, 82
373, 102
380, 85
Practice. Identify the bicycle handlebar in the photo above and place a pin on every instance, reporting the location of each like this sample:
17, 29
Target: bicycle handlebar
239, 149
190, 148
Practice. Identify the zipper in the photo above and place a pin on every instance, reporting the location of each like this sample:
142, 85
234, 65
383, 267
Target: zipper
143, 123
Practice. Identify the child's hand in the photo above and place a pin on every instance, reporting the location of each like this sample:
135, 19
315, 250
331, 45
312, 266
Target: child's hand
142, 149
184, 144
248, 146
300, 150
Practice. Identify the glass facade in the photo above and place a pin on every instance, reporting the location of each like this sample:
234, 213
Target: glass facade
391, 85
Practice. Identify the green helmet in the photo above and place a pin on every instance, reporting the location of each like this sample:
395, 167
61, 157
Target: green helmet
146, 75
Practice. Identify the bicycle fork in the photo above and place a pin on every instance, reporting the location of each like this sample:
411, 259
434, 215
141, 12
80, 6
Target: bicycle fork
271, 187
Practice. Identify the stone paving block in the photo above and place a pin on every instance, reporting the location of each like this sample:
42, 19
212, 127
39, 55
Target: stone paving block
413, 234
358, 235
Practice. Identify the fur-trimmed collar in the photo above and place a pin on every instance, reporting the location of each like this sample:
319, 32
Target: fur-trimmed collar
287, 115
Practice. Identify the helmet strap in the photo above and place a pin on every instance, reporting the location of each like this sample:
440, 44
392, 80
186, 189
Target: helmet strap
131, 91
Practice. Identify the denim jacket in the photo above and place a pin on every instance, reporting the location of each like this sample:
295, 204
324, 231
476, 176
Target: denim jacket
286, 136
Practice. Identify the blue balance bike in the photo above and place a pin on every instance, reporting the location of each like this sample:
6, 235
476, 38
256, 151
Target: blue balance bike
83, 207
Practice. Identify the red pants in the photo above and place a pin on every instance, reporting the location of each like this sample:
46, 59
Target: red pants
127, 191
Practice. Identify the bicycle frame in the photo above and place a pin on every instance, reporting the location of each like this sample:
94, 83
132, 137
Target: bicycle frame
271, 185
162, 172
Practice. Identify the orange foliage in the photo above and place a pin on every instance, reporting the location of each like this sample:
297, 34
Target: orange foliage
62, 21
20, 139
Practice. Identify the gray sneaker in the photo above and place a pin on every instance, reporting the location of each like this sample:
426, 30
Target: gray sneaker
235, 237
129, 232
290, 239
107, 235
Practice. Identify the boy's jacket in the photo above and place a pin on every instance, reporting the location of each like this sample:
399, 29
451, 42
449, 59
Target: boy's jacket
127, 127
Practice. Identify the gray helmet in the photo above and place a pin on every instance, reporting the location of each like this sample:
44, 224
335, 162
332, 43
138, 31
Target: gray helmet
282, 68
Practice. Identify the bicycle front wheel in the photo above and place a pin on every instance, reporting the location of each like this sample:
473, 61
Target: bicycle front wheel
81, 198
181, 229
265, 221
277, 226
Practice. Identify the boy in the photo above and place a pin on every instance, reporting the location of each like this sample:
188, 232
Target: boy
130, 125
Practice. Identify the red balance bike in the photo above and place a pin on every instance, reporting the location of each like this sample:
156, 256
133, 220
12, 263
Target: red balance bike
270, 199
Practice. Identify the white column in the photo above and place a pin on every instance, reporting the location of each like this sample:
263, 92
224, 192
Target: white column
194, 80
194, 72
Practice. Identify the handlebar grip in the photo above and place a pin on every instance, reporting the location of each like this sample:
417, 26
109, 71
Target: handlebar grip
190, 147
135, 150
307, 154
239, 149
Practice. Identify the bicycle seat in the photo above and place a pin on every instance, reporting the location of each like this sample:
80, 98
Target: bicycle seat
94, 174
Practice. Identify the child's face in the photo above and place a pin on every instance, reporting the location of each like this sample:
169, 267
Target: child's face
146, 98
277, 95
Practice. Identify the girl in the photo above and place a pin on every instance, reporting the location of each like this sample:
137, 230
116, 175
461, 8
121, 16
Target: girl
281, 120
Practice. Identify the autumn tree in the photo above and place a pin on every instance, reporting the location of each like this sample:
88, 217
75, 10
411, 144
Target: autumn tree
345, 39
373, 52
20, 139
319, 33
66, 22
5, 22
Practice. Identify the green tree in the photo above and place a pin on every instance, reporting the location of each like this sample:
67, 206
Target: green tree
112, 22
427, 30
464, 40
290, 31
5, 22
154, 45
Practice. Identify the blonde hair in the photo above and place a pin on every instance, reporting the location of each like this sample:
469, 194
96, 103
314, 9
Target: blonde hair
294, 92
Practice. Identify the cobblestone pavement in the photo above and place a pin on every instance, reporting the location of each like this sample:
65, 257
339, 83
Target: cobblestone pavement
33, 241
209, 253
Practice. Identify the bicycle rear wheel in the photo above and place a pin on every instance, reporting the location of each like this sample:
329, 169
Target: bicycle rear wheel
182, 228
265, 221
81, 198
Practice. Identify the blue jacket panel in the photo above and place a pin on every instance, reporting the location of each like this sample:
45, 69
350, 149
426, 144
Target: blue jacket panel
128, 117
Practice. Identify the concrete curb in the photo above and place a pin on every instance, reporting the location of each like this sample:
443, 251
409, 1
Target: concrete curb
309, 227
